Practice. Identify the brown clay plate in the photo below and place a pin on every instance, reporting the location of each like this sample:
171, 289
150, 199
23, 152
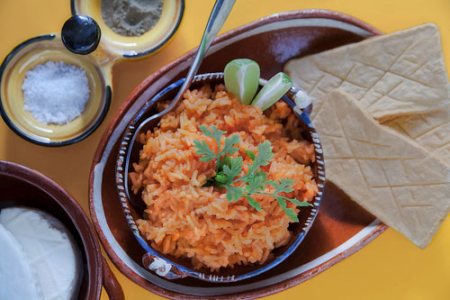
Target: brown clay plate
341, 227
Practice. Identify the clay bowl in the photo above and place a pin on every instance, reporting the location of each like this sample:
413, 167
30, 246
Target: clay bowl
21, 186
173, 268
341, 227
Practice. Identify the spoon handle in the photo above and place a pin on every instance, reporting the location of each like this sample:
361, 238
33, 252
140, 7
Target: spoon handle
219, 14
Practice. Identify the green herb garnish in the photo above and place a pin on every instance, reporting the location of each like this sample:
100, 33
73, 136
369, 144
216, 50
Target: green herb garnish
255, 181
222, 154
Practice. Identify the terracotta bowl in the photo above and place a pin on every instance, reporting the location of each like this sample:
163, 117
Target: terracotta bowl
341, 227
20, 186
170, 267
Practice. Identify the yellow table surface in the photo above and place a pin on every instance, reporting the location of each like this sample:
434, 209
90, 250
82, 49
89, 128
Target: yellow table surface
388, 268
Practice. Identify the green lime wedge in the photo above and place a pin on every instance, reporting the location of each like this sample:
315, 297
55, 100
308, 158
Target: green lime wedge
272, 91
242, 79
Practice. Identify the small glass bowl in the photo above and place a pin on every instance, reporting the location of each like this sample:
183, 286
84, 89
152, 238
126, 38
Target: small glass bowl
134, 46
36, 51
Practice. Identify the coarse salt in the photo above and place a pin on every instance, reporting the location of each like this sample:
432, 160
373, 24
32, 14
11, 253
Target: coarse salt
55, 92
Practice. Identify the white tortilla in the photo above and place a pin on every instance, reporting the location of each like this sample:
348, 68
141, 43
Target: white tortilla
430, 130
16, 278
417, 107
389, 175
49, 248
399, 74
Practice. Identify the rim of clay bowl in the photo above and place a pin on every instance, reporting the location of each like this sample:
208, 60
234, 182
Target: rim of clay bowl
29, 137
166, 266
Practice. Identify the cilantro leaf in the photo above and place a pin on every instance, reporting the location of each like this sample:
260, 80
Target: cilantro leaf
257, 182
288, 211
226, 161
222, 178
283, 186
250, 154
264, 153
253, 203
207, 154
214, 133
234, 168
298, 203
234, 193
228, 147
206, 131
263, 158
204, 151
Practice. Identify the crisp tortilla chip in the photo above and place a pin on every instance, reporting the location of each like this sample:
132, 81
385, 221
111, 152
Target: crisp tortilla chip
430, 130
389, 175
391, 75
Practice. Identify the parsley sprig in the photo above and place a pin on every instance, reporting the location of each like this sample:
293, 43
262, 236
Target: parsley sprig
255, 181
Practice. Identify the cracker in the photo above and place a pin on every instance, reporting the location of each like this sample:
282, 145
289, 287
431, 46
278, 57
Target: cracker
389, 175
392, 75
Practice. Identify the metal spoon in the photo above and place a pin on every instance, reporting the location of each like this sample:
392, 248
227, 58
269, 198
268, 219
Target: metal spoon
219, 14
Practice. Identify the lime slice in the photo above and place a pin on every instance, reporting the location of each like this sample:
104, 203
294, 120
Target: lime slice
272, 91
242, 79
